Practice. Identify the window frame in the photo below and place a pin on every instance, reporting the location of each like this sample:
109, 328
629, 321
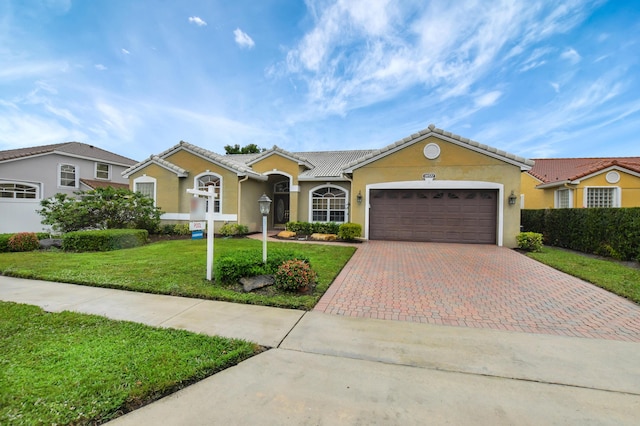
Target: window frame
558, 201
76, 171
329, 209
616, 201
146, 180
35, 187
108, 171
217, 203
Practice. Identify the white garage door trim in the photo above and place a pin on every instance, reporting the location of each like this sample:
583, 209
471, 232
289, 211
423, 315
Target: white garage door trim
440, 184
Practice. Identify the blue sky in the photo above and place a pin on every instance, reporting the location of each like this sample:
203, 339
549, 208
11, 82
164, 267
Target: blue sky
535, 78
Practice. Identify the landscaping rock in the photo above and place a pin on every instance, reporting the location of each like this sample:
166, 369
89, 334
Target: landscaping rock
47, 243
286, 234
324, 237
259, 281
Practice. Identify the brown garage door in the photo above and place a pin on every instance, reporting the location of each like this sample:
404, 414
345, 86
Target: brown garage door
447, 215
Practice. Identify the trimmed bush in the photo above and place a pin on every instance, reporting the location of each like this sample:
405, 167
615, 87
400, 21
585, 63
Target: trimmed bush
23, 241
233, 229
248, 263
325, 228
349, 231
104, 240
294, 275
4, 242
612, 232
529, 241
300, 228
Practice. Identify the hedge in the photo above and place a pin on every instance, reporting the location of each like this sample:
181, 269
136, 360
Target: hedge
104, 240
613, 232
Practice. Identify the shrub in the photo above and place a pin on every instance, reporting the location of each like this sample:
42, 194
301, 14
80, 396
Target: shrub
4, 242
104, 240
100, 208
300, 228
248, 263
349, 231
530, 241
294, 275
23, 241
233, 229
325, 228
181, 229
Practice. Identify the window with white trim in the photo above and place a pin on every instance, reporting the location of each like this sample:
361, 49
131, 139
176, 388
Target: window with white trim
204, 181
564, 199
103, 171
328, 204
67, 176
601, 197
19, 191
145, 185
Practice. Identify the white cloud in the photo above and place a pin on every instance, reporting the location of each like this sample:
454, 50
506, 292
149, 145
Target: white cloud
243, 39
100, 67
126, 52
197, 20
487, 99
571, 55
360, 53
556, 87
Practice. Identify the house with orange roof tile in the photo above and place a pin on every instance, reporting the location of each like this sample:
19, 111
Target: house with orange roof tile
581, 182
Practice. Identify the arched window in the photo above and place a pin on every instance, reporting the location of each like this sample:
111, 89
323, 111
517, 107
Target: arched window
204, 181
328, 204
20, 191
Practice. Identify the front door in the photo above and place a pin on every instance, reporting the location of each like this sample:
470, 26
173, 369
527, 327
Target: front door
280, 210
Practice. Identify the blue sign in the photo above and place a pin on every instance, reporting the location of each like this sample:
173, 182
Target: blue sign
197, 235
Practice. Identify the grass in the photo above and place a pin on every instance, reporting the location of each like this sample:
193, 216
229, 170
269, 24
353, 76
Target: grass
609, 275
70, 368
172, 267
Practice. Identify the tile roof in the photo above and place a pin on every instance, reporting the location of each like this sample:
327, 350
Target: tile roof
296, 156
550, 170
431, 130
331, 163
93, 184
73, 148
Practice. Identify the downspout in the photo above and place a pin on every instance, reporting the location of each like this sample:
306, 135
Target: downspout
344, 175
240, 196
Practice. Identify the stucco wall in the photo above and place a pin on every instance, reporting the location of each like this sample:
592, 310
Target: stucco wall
535, 198
454, 163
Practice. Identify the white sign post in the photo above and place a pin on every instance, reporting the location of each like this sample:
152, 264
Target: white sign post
211, 196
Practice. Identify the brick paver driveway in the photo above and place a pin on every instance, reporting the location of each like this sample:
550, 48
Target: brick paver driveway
475, 286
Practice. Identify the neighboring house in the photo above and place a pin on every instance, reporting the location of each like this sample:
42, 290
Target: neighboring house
430, 186
582, 182
29, 175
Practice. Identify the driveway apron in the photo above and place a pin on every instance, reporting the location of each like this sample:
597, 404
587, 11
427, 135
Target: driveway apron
481, 286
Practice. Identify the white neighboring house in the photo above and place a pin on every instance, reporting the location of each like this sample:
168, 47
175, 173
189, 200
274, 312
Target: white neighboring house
29, 175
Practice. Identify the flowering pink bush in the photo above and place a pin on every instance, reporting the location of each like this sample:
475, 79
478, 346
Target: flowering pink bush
294, 275
23, 241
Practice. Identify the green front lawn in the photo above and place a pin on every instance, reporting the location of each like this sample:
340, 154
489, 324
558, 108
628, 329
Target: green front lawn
172, 267
610, 275
70, 368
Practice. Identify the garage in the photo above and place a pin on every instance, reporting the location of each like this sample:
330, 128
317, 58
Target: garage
434, 215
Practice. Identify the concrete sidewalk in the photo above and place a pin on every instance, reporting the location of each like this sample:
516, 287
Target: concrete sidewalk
327, 369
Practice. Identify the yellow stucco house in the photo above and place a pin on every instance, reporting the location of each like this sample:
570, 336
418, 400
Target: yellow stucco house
582, 182
431, 186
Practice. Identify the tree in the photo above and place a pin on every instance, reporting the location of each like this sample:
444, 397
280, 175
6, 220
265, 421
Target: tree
101, 208
252, 148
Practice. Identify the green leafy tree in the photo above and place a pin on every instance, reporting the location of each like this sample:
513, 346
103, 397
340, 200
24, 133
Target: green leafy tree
101, 208
252, 148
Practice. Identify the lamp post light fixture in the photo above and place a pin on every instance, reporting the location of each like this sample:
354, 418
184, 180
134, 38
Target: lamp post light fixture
512, 199
265, 205
359, 197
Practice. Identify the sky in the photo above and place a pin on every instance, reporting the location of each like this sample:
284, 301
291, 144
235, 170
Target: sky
539, 79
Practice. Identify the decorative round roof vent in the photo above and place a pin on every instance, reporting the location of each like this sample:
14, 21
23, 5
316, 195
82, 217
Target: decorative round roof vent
613, 177
432, 151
